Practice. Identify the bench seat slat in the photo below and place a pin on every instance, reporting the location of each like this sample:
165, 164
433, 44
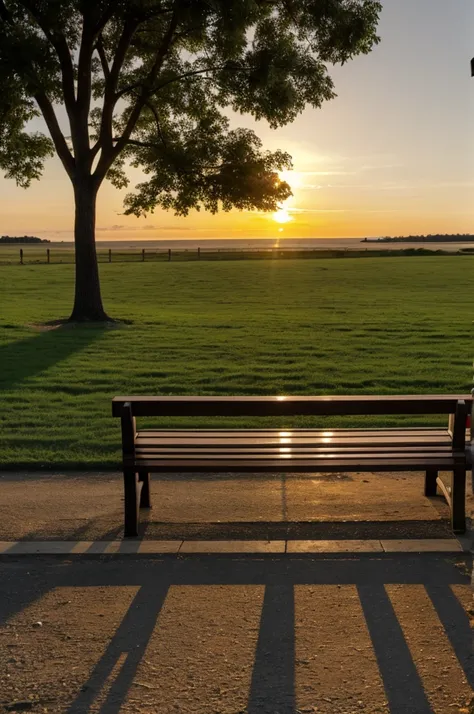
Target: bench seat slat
294, 466
293, 433
301, 441
302, 431
347, 456
191, 450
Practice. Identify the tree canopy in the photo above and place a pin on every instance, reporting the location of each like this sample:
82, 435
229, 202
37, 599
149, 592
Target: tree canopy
151, 82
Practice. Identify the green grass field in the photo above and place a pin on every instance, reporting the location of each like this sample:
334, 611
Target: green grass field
378, 325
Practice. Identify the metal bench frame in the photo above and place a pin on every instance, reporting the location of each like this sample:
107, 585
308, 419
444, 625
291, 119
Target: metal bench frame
140, 461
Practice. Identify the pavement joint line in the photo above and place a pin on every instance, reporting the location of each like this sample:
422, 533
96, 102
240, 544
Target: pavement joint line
202, 547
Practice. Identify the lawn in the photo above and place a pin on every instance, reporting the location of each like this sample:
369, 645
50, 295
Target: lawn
374, 325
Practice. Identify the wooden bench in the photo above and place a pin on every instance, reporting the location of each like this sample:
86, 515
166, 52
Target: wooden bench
427, 449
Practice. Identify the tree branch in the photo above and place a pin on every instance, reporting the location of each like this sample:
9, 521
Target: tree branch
195, 72
58, 42
203, 167
106, 16
158, 126
84, 92
104, 141
111, 152
134, 142
4, 13
103, 57
157, 120
165, 47
40, 95
55, 132
109, 11
178, 78
127, 89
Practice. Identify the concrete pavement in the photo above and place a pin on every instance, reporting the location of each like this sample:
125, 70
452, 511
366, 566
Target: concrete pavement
89, 507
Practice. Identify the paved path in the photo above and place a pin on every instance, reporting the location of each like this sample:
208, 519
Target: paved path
89, 507
117, 627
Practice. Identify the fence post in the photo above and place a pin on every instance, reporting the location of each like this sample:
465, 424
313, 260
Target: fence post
47, 255
169, 254
199, 253
110, 255
143, 255
21, 256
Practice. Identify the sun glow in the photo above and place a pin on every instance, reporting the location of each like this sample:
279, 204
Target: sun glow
282, 216
293, 178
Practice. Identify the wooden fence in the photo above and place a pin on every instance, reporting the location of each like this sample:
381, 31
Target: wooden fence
33, 256
46, 256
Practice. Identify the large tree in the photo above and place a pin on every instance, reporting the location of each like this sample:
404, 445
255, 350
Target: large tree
148, 83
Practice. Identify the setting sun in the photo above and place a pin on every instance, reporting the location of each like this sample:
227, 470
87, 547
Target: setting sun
282, 216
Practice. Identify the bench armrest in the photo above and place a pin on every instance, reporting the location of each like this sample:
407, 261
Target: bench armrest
458, 427
129, 431
471, 426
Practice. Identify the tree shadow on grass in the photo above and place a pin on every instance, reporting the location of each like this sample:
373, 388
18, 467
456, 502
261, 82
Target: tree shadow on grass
36, 353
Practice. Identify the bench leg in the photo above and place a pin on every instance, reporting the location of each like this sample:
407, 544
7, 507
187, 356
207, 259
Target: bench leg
131, 503
430, 482
145, 499
458, 500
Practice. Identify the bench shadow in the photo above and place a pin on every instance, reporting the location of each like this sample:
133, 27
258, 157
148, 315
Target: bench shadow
272, 687
36, 353
81, 532
294, 530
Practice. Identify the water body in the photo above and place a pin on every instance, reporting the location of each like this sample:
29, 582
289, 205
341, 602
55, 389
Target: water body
239, 244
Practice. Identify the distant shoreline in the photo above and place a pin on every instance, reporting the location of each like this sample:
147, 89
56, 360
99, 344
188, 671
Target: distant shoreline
22, 240
423, 239
231, 245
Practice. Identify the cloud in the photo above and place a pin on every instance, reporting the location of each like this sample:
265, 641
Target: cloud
172, 228
391, 186
327, 173
48, 230
317, 210
340, 210
380, 167
147, 227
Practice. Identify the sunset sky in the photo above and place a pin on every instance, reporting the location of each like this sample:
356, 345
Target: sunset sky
393, 154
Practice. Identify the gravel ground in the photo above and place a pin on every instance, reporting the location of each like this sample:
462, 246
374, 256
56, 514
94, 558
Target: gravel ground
236, 635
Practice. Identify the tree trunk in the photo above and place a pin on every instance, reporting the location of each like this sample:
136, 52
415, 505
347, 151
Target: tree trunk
87, 299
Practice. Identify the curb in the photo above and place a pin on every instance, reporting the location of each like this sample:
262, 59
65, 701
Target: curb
235, 547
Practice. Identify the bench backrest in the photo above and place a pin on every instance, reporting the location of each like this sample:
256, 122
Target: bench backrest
130, 407
290, 406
